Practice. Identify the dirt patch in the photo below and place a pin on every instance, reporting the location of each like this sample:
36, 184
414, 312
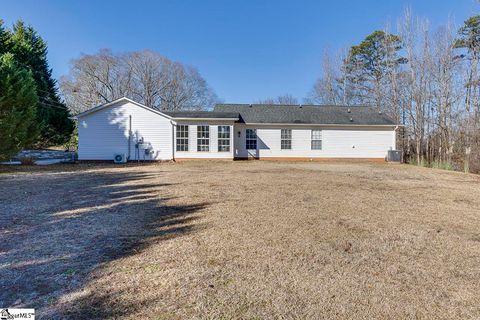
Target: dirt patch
241, 240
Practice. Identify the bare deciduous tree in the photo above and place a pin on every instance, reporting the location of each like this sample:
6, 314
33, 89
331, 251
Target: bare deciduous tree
416, 43
144, 76
445, 90
329, 88
95, 79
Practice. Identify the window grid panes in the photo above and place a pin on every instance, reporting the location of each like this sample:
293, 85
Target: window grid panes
286, 139
203, 138
251, 139
317, 139
223, 138
182, 138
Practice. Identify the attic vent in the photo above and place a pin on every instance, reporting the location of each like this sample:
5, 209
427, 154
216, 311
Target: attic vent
300, 106
348, 110
250, 106
351, 119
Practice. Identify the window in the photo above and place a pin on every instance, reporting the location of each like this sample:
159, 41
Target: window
223, 138
251, 139
182, 138
316, 139
286, 139
203, 138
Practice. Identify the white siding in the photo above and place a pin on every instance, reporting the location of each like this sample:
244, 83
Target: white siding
104, 133
192, 141
337, 142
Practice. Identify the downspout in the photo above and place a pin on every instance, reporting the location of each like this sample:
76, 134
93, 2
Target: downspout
129, 135
173, 140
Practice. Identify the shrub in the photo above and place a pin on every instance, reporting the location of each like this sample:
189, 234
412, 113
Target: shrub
72, 143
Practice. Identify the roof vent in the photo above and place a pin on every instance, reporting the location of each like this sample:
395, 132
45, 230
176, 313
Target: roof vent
380, 112
351, 119
250, 105
300, 106
348, 110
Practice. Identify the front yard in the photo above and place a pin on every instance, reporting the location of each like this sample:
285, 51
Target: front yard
241, 240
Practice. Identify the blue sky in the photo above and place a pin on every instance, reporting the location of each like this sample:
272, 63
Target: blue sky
246, 50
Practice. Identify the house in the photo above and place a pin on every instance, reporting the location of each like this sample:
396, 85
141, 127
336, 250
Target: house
233, 131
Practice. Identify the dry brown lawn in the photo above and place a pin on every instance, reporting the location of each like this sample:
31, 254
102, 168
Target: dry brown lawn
249, 240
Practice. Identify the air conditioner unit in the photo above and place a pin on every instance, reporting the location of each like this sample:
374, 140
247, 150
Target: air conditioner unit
120, 158
394, 156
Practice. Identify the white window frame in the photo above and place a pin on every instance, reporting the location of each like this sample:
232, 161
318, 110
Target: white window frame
203, 138
224, 138
251, 139
316, 137
181, 142
286, 139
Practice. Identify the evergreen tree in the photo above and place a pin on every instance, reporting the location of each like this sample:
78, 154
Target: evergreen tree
17, 107
470, 36
52, 116
3, 38
368, 64
469, 41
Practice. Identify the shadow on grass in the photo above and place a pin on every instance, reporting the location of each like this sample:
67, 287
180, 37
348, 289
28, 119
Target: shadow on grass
55, 229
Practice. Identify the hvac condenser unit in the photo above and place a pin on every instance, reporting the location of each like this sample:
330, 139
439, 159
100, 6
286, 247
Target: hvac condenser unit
120, 158
394, 156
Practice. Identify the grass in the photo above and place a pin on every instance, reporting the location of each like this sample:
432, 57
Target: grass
444, 165
250, 240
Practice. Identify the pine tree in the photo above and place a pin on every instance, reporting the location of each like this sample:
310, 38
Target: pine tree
469, 40
52, 116
470, 36
368, 64
17, 107
3, 38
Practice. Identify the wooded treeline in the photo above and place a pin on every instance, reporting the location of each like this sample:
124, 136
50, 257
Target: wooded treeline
427, 80
31, 111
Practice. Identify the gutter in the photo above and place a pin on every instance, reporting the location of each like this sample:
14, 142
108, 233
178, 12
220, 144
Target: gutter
323, 125
207, 119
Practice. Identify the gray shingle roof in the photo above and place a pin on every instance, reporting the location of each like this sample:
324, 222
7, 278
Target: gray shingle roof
202, 114
307, 114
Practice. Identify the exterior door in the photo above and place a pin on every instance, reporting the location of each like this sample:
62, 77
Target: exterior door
251, 143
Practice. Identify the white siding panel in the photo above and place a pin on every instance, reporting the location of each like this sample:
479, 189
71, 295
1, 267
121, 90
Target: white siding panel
358, 143
213, 150
351, 142
104, 133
